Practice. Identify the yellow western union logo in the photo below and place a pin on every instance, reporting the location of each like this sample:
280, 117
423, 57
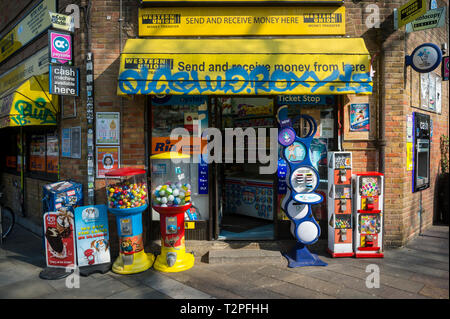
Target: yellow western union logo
218, 21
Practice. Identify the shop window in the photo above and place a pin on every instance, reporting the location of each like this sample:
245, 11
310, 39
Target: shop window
190, 113
10, 150
42, 152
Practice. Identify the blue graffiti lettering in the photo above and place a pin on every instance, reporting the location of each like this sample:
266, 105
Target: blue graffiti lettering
238, 80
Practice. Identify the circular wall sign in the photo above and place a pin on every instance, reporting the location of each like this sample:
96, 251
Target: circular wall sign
425, 58
286, 136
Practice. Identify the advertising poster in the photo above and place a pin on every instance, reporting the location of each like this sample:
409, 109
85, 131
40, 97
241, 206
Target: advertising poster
432, 92
359, 117
52, 153
59, 239
108, 158
91, 226
37, 153
107, 128
424, 85
438, 94
409, 156
75, 145
65, 142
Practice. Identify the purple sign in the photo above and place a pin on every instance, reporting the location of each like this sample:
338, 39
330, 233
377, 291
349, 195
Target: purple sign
286, 136
445, 68
60, 47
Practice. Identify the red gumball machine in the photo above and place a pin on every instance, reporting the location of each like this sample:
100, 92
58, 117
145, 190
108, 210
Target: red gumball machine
171, 198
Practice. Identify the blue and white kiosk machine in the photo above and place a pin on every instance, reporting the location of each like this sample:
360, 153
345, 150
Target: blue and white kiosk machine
302, 179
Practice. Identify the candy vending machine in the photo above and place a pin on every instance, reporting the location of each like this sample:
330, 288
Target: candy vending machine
340, 225
368, 205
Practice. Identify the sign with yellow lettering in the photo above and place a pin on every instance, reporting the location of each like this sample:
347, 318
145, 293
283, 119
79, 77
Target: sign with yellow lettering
218, 21
36, 64
33, 24
231, 66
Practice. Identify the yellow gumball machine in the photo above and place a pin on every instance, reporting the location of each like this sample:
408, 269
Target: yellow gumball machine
171, 198
126, 192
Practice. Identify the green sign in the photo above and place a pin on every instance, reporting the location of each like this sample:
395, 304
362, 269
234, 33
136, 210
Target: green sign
432, 19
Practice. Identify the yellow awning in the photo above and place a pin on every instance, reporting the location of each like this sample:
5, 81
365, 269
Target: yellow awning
29, 104
245, 66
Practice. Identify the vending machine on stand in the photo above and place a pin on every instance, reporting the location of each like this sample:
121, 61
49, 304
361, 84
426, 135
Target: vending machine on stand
340, 221
171, 198
126, 193
368, 200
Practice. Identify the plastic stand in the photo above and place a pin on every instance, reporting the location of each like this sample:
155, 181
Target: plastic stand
300, 256
50, 273
89, 270
129, 224
173, 257
302, 180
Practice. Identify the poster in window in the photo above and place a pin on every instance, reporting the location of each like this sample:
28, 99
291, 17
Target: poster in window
432, 92
37, 153
424, 83
69, 107
107, 128
108, 158
438, 94
52, 153
66, 142
20, 153
359, 117
75, 136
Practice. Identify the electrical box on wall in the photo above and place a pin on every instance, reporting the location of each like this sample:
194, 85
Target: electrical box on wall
340, 221
421, 151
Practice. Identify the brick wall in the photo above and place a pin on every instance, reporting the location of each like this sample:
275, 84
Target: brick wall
400, 94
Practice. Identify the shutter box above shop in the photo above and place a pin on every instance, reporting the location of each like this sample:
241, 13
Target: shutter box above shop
245, 66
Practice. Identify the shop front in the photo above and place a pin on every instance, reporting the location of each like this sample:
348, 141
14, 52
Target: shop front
28, 124
214, 90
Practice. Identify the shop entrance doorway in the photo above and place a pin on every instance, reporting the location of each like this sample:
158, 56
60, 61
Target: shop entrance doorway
246, 198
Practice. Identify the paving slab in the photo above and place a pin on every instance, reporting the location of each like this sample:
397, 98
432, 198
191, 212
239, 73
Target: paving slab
139, 293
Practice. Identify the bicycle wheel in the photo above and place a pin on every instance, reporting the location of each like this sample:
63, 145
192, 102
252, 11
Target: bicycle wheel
8, 220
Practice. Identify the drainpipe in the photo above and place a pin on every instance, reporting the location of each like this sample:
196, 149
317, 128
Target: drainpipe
120, 54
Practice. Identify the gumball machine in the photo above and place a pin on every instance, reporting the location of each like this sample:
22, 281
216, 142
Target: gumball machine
126, 192
171, 198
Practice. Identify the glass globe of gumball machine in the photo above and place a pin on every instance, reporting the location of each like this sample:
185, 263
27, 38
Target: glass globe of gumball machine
126, 193
171, 198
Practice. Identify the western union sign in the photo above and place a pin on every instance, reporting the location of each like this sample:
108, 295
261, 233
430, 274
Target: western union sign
245, 66
234, 21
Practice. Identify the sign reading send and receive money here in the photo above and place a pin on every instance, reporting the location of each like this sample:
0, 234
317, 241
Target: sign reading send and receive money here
210, 21
230, 66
